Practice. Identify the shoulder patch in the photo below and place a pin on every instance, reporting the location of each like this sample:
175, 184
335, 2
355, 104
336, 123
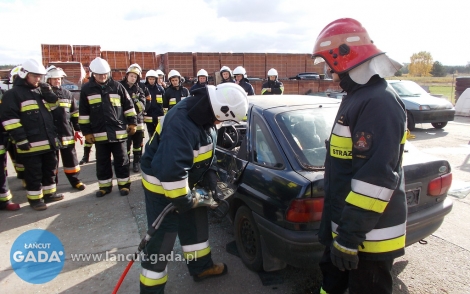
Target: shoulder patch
362, 141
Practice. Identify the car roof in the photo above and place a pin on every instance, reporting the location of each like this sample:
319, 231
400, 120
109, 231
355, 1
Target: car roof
280, 101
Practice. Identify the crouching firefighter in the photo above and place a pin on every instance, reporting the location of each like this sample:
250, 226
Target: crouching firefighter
65, 114
26, 115
179, 156
107, 116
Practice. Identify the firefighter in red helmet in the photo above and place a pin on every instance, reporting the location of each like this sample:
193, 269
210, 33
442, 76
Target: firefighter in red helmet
364, 217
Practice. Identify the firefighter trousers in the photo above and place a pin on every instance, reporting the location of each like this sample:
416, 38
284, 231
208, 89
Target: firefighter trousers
16, 160
5, 194
137, 141
371, 276
39, 174
70, 164
151, 128
104, 170
191, 227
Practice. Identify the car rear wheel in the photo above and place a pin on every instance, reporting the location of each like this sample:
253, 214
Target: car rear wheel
439, 125
247, 238
411, 121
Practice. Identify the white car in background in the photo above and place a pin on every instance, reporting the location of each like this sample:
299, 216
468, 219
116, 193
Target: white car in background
421, 107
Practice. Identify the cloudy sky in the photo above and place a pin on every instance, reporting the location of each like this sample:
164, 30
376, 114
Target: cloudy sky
399, 27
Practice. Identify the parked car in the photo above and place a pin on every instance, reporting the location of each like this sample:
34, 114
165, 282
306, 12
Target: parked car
421, 107
274, 161
306, 76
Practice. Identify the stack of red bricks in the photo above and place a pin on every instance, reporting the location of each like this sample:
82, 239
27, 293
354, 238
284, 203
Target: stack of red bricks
52, 53
208, 61
118, 61
255, 64
231, 60
85, 53
181, 61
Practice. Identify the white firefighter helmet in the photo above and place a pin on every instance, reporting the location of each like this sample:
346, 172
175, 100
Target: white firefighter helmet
174, 73
229, 101
202, 72
31, 66
99, 66
135, 68
240, 70
151, 73
14, 72
54, 72
160, 73
225, 68
272, 72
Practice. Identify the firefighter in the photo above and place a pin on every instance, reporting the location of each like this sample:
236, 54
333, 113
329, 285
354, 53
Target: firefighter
26, 115
5, 194
202, 80
272, 86
161, 81
11, 148
86, 153
107, 117
226, 74
178, 156
175, 92
65, 114
241, 78
136, 91
153, 106
364, 216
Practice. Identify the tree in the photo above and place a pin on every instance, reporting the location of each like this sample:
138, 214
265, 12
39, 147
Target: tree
421, 64
438, 70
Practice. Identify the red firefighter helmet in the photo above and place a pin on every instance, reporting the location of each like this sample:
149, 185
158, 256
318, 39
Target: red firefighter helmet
344, 44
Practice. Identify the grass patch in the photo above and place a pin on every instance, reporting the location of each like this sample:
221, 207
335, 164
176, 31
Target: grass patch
447, 92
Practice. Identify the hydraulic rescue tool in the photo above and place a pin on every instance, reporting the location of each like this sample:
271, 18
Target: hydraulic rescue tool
220, 207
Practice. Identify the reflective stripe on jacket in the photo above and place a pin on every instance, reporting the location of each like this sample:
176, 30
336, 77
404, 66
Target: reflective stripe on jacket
65, 114
365, 202
154, 106
174, 96
138, 97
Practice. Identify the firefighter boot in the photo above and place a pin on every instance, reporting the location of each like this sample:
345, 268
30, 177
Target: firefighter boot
80, 186
8, 205
136, 163
37, 204
124, 191
48, 198
86, 155
218, 269
103, 191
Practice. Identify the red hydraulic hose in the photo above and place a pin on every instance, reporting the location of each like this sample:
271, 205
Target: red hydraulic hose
128, 267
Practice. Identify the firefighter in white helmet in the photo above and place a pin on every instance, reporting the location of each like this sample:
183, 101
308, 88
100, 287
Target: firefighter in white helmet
180, 154
161, 81
154, 106
226, 74
272, 86
175, 92
65, 114
30, 124
139, 95
107, 117
241, 78
202, 80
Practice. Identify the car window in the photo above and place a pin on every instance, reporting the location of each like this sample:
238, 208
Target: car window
265, 151
408, 89
306, 131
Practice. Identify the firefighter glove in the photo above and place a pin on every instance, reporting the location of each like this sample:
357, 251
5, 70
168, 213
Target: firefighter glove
90, 138
77, 136
45, 88
342, 257
210, 182
23, 146
203, 198
131, 129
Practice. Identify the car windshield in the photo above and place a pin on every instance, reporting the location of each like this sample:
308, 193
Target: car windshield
408, 89
306, 131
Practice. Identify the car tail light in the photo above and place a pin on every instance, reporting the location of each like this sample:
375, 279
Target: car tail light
440, 185
305, 210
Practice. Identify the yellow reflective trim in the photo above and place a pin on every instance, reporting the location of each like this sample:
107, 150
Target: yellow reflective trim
203, 156
366, 203
34, 149
115, 101
101, 138
84, 121
381, 246
403, 140
151, 282
152, 187
159, 99
34, 197
340, 147
94, 100
76, 114
69, 142
104, 185
65, 105
29, 107
6, 198
13, 126
148, 119
121, 136
263, 91
194, 255
176, 192
49, 191
282, 90
159, 129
